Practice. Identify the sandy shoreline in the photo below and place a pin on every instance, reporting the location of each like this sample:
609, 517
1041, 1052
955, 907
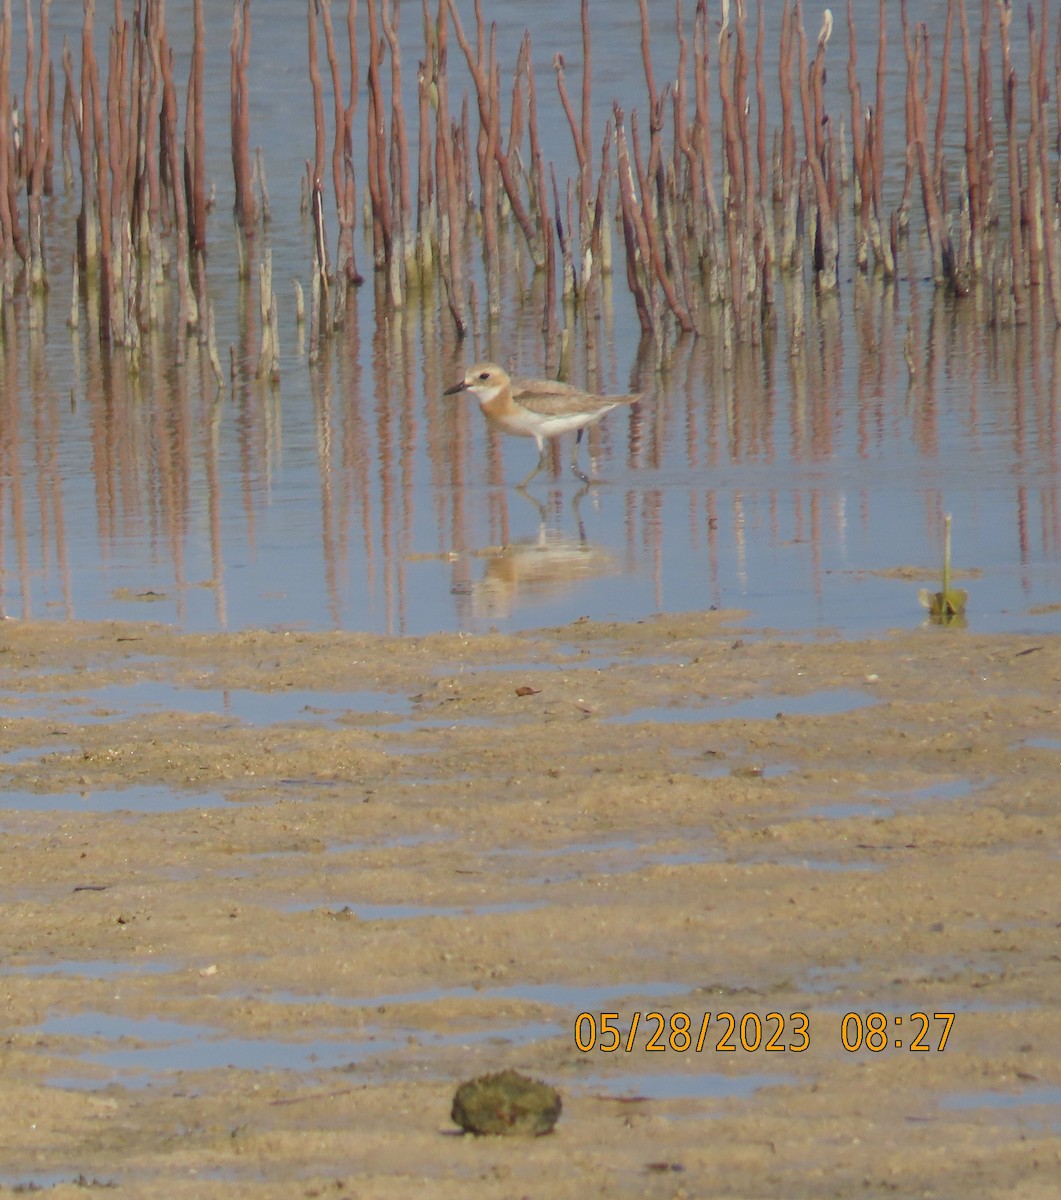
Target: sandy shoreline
369, 868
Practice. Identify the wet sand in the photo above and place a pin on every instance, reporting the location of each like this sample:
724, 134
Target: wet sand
376, 867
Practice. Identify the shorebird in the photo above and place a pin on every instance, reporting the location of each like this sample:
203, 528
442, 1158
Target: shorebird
536, 408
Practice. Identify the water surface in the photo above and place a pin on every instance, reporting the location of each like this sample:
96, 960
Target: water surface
353, 495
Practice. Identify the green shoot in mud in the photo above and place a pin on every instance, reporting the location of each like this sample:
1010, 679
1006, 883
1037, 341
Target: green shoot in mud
946, 607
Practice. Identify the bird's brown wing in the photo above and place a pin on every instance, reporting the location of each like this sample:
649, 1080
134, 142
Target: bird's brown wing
554, 398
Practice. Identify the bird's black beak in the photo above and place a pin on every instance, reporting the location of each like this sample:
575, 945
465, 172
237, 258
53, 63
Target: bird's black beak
457, 387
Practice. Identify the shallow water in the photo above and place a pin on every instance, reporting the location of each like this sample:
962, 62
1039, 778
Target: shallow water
353, 495
96, 969
166, 1047
116, 702
141, 1049
674, 1085
140, 799
828, 702
1030, 1096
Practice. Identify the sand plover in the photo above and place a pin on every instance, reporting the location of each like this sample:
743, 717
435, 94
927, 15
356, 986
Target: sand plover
536, 408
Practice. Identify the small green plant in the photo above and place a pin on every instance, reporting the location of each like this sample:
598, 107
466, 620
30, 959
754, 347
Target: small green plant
946, 607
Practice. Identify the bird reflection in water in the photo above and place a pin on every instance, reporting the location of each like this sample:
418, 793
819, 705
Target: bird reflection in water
532, 569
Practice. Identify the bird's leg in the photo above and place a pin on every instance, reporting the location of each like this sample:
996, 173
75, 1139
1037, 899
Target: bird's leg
541, 463
574, 459
576, 504
543, 512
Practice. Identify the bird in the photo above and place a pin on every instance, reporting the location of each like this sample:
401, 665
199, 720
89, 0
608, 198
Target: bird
536, 408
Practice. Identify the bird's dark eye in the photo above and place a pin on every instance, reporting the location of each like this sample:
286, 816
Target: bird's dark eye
484, 375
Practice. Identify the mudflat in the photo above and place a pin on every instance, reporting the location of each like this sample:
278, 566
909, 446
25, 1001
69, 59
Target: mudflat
269, 897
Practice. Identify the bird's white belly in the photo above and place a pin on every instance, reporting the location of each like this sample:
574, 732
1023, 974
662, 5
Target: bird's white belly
534, 425
518, 424
553, 426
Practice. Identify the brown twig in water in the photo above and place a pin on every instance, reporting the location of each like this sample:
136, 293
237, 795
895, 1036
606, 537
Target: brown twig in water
883, 247
971, 253
563, 237
154, 148
939, 182
504, 165
70, 119
102, 175
764, 208
600, 237
245, 206
1032, 208
1046, 202
320, 241
749, 296
680, 235
37, 140
405, 257
488, 143
49, 157
702, 123
918, 84
635, 259
10, 232
826, 240
545, 221
985, 138
342, 148
446, 177
80, 117
733, 166
859, 153
378, 183
195, 135
582, 158
656, 258
425, 183
788, 192
25, 143
1009, 91
188, 306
